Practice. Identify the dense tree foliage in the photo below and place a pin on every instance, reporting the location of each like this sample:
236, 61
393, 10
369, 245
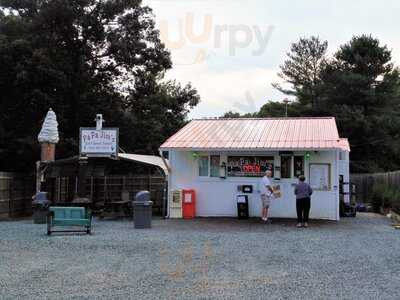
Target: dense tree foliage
359, 86
82, 57
361, 89
302, 70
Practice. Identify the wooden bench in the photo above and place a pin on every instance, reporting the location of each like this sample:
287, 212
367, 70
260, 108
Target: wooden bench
69, 216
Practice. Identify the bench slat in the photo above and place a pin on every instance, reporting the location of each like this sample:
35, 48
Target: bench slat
71, 222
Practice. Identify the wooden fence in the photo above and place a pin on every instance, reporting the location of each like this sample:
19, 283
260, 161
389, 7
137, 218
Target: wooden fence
16, 192
365, 183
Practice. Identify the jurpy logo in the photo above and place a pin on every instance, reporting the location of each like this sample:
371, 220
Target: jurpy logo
220, 36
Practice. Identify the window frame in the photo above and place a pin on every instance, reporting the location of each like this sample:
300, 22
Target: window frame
217, 175
294, 165
329, 187
208, 166
291, 167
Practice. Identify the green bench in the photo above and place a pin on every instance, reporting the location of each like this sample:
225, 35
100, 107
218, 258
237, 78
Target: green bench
69, 216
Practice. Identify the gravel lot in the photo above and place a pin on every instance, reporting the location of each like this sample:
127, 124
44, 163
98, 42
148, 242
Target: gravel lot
201, 259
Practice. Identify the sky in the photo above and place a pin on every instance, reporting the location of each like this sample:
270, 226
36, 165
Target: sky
231, 50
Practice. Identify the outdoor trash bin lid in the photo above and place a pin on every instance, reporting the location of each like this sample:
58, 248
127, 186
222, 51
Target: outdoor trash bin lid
142, 203
142, 196
40, 198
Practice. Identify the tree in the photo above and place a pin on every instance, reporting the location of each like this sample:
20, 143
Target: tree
232, 115
271, 109
361, 75
236, 115
302, 69
361, 89
278, 109
157, 111
359, 86
79, 57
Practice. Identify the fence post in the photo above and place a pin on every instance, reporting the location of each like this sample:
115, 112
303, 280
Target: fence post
91, 188
10, 197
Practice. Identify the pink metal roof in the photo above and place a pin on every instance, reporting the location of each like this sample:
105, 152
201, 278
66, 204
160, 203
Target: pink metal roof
257, 134
344, 144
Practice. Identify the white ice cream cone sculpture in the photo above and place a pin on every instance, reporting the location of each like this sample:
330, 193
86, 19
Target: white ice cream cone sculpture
48, 136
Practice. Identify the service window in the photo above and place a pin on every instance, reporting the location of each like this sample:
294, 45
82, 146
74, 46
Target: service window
286, 167
320, 177
203, 166
214, 165
298, 166
249, 166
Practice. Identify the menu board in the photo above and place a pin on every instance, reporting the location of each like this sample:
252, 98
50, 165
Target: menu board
249, 166
320, 177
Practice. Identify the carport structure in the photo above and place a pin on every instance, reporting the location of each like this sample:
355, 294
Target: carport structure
104, 182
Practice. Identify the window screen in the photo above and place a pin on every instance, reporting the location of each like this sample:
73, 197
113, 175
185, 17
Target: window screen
286, 167
298, 166
203, 166
214, 165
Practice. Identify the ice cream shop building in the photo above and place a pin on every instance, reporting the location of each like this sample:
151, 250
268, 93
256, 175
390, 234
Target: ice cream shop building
222, 160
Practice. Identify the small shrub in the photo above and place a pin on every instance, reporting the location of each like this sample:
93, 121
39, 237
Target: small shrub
385, 197
376, 197
395, 202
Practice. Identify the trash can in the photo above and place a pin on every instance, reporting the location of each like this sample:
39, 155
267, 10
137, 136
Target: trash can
142, 210
242, 207
40, 207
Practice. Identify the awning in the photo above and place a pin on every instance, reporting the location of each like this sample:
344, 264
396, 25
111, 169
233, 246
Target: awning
146, 159
69, 166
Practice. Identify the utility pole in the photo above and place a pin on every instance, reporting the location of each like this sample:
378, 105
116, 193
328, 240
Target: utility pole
286, 101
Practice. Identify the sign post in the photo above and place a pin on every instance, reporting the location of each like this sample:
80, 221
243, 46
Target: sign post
95, 142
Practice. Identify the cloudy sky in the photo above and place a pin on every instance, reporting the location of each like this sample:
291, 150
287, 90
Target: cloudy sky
230, 50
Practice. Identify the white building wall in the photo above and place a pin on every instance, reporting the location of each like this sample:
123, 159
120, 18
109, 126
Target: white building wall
216, 197
344, 169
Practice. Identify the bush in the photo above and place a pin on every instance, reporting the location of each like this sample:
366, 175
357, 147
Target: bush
384, 196
396, 202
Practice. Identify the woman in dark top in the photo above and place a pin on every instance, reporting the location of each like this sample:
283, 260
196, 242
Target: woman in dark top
303, 193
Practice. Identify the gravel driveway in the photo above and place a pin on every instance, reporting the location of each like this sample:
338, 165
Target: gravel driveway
201, 259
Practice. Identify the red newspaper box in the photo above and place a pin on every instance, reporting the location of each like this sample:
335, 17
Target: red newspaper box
189, 204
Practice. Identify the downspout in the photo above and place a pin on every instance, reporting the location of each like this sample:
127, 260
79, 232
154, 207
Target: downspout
336, 182
165, 196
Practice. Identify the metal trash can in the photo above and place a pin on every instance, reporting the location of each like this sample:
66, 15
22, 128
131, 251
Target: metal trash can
242, 207
40, 206
142, 210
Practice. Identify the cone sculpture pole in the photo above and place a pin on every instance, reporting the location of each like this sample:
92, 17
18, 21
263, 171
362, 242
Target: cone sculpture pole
48, 138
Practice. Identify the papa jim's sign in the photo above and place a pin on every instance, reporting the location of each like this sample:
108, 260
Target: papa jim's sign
98, 143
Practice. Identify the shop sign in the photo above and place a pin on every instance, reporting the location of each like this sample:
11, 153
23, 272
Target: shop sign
98, 143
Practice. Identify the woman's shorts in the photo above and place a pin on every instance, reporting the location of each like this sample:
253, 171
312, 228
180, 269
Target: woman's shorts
265, 200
